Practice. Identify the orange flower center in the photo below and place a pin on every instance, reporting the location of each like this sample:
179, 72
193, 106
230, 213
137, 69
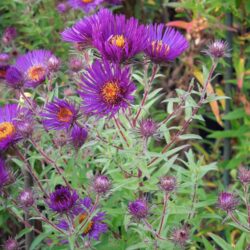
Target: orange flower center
159, 46
110, 92
64, 115
6, 129
36, 73
118, 40
87, 1
88, 226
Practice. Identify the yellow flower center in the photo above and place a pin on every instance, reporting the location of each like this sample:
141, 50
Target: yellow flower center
6, 129
118, 40
88, 226
36, 73
87, 1
64, 115
110, 92
159, 46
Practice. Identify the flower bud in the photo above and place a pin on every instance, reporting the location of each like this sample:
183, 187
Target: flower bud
138, 209
4, 58
62, 8
101, 184
148, 128
53, 63
168, 183
11, 244
9, 35
75, 64
78, 136
218, 49
26, 198
180, 236
3, 71
227, 201
14, 78
244, 175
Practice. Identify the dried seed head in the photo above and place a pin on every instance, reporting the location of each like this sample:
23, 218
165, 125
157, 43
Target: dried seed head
11, 244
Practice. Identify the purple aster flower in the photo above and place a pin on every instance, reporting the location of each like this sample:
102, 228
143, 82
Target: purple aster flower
86, 5
101, 184
113, 1
81, 32
63, 200
106, 89
94, 227
3, 71
8, 131
5, 175
11, 244
14, 78
34, 67
78, 136
62, 7
119, 39
138, 209
59, 114
218, 49
168, 183
244, 175
9, 35
164, 45
4, 58
227, 201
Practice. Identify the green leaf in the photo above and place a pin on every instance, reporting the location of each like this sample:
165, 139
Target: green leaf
222, 243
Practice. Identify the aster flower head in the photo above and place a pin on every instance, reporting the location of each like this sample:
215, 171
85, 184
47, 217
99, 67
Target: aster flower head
93, 226
106, 89
85, 5
244, 175
34, 67
11, 244
168, 183
26, 198
5, 175
8, 131
119, 39
9, 35
227, 201
14, 78
59, 114
63, 200
180, 235
218, 49
78, 136
164, 44
81, 33
138, 209
147, 128
101, 184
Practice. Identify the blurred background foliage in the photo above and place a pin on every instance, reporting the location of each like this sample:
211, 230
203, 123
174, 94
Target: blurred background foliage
39, 25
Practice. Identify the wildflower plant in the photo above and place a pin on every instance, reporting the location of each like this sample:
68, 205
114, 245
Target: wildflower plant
88, 172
